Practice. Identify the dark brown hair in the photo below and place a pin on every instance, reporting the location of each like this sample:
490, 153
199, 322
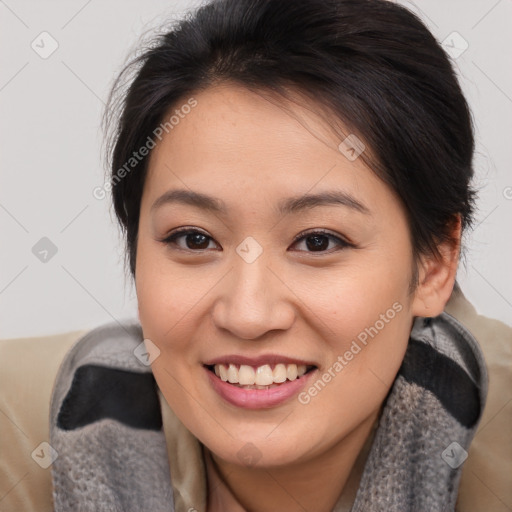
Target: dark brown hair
371, 63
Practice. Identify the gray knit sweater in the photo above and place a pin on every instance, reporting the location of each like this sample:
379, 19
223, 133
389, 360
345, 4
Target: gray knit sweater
106, 425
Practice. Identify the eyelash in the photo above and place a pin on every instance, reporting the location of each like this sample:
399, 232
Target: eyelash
170, 240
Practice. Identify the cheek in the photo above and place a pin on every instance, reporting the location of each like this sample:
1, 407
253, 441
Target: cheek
166, 295
364, 359
352, 299
166, 307
365, 322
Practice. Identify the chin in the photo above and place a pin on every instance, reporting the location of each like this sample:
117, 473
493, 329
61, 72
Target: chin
257, 452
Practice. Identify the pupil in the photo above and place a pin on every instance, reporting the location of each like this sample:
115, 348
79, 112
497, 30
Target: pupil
320, 242
197, 241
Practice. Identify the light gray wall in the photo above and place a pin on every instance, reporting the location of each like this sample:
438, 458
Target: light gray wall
50, 154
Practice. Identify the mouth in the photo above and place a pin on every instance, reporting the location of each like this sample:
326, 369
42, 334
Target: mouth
262, 385
266, 376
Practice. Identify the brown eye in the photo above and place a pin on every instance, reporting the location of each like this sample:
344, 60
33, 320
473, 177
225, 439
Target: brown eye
320, 241
197, 241
317, 242
190, 239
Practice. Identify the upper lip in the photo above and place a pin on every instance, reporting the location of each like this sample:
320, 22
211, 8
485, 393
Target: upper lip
261, 360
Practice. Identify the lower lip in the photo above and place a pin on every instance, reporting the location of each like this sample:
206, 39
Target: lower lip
258, 398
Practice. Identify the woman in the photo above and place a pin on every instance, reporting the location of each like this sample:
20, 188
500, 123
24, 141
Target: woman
293, 181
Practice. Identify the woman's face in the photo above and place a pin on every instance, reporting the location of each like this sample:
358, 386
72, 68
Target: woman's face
297, 258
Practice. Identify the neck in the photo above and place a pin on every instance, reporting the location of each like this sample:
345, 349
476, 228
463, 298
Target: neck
316, 484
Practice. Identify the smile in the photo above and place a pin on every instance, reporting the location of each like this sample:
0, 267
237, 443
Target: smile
260, 377
256, 386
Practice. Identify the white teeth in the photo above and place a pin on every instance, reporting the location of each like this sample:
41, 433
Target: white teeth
233, 374
223, 372
263, 376
279, 373
291, 371
246, 375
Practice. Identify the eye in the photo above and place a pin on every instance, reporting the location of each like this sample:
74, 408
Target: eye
320, 241
189, 239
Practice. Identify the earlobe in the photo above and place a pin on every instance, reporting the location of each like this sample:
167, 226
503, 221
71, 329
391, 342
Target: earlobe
436, 276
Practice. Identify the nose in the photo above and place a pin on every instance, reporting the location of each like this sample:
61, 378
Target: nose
253, 301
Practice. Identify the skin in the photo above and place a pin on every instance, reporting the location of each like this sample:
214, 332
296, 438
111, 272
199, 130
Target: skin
200, 303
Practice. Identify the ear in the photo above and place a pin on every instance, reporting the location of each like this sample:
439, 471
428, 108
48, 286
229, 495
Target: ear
436, 275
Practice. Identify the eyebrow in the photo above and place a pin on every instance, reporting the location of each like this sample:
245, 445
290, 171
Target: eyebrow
289, 205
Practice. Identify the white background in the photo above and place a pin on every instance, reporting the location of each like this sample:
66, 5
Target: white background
51, 161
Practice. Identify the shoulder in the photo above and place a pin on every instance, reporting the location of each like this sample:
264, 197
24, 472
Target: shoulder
33, 372
485, 476
28, 369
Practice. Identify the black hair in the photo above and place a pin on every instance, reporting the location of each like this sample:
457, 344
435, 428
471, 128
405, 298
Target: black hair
371, 63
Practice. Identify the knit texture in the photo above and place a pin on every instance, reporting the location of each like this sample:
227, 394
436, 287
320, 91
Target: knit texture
106, 465
105, 425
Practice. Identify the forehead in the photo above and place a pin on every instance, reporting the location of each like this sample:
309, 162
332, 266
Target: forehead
237, 142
